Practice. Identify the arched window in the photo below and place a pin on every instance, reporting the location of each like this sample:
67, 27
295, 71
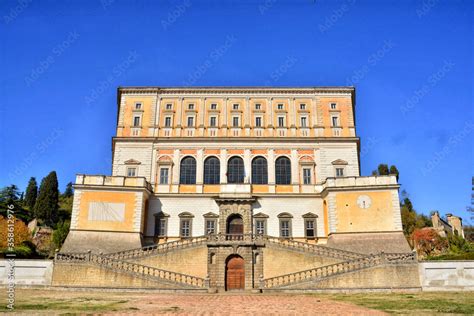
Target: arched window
187, 171
212, 171
235, 170
283, 170
259, 171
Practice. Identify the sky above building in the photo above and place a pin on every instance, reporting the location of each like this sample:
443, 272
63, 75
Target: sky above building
410, 61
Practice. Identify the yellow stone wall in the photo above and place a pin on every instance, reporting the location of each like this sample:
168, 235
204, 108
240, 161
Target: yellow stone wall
84, 275
128, 198
278, 261
191, 261
378, 217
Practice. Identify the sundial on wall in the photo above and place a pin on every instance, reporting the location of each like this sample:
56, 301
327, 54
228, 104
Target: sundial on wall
364, 201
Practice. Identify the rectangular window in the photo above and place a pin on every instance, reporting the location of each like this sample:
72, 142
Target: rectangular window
307, 176
235, 106
191, 106
160, 228
339, 172
260, 227
258, 121
285, 228
164, 174
168, 121
258, 106
309, 228
190, 121
303, 121
131, 172
281, 121
185, 228
210, 226
136, 121
213, 121
235, 121
335, 122
280, 106
169, 106
213, 106
302, 106
333, 106
138, 106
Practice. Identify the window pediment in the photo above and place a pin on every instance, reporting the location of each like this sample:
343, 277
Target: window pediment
210, 215
186, 214
161, 214
132, 162
285, 215
339, 162
260, 215
310, 215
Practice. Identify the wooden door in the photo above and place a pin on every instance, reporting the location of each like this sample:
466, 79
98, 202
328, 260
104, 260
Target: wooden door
235, 274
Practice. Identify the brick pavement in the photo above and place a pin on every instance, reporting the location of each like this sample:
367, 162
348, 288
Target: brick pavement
243, 304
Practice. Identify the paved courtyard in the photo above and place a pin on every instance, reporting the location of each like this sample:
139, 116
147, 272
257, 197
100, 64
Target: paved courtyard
61, 301
237, 304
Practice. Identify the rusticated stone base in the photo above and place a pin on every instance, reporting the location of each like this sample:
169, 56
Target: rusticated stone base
389, 276
98, 241
86, 275
370, 243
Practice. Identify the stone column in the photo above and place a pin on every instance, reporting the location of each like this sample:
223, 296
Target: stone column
199, 170
223, 165
271, 171
175, 176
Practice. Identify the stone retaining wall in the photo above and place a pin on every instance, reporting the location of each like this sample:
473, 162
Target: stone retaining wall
447, 275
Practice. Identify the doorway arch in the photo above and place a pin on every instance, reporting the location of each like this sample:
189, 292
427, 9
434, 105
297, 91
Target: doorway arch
234, 273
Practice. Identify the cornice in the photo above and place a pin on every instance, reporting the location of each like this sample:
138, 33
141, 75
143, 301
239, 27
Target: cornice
236, 90
236, 139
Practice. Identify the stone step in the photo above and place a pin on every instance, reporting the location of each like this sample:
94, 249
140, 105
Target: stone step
139, 270
319, 250
158, 248
320, 273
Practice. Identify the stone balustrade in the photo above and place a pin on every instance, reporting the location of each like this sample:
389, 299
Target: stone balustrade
158, 248
117, 181
337, 268
132, 268
316, 249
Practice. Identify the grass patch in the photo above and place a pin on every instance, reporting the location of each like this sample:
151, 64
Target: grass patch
461, 256
416, 303
72, 305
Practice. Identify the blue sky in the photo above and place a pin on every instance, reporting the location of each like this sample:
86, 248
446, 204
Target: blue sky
410, 61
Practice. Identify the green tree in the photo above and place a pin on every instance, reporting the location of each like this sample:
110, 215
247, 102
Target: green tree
69, 191
60, 234
383, 169
11, 196
31, 194
394, 171
46, 207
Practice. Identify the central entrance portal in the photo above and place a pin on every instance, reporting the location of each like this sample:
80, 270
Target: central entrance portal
235, 273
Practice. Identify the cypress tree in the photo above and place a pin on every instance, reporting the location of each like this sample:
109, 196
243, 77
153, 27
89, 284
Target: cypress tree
46, 207
394, 171
69, 192
31, 194
383, 169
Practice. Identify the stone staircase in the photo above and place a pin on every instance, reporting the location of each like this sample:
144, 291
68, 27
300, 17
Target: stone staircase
135, 269
320, 273
314, 249
158, 248
318, 250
